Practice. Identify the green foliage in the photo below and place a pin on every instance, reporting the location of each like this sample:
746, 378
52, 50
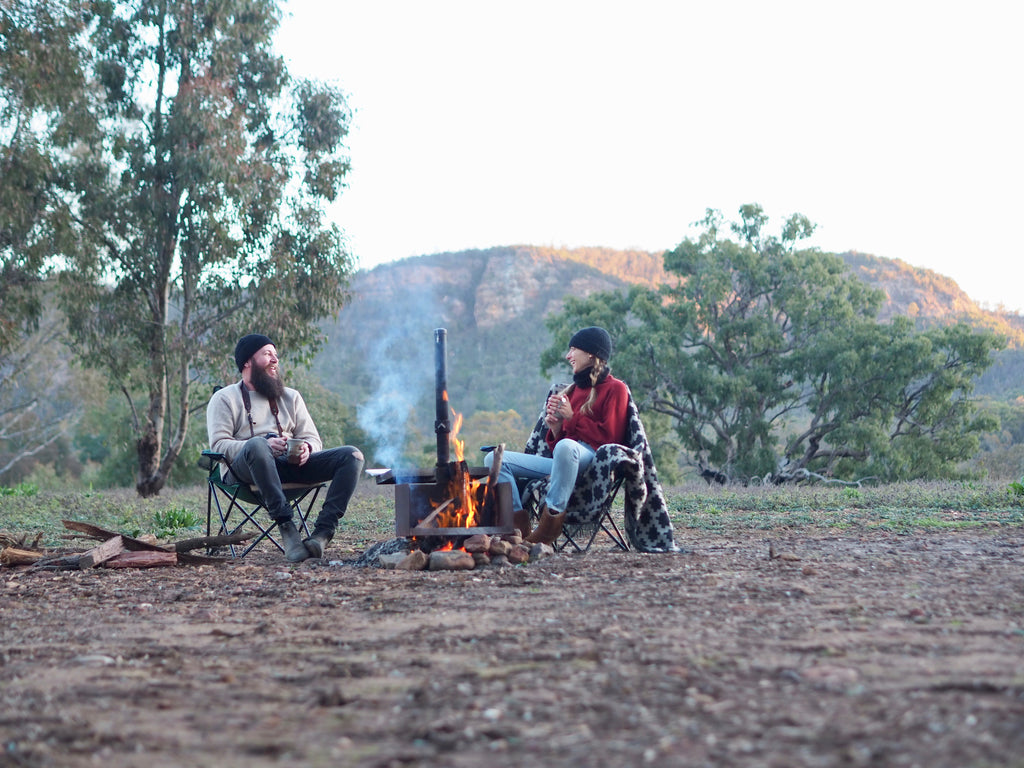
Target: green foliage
899, 507
21, 489
772, 366
189, 205
335, 420
43, 98
169, 522
491, 428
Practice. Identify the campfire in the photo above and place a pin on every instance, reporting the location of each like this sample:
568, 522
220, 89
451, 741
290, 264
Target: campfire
441, 509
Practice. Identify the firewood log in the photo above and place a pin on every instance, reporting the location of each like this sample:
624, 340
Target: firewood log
142, 560
13, 556
99, 555
488, 510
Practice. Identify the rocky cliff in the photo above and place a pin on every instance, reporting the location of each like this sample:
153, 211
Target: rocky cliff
493, 302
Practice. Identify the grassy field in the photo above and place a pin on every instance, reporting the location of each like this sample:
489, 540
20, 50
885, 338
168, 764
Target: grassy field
29, 514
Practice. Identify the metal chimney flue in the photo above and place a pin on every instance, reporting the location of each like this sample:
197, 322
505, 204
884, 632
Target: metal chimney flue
442, 413
421, 495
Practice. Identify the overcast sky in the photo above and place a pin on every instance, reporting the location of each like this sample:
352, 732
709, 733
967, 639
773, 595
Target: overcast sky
896, 126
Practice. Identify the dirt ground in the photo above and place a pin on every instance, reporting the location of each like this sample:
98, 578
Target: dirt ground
865, 649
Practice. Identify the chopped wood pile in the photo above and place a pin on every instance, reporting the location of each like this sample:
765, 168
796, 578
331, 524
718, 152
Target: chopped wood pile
116, 550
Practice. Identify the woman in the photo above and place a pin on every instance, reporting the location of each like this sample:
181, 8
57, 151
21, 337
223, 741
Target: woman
589, 413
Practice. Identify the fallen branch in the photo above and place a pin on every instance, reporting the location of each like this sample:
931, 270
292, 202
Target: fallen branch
137, 545
212, 541
13, 556
57, 563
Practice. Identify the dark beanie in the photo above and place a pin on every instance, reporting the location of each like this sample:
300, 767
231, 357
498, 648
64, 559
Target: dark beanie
594, 340
248, 346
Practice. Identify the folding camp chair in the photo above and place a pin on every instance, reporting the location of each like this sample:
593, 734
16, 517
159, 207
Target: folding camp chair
578, 532
226, 497
589, 511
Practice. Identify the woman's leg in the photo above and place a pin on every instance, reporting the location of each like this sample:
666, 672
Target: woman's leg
513, 465
570, 457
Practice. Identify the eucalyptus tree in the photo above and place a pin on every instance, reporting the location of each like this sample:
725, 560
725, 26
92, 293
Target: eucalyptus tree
773, 367
41, 97
41, 111
197, 199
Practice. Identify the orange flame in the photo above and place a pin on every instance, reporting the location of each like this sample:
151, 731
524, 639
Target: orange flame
460, 506
458, 445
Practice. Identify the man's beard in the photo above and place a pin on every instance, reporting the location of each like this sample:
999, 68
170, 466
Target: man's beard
271, 387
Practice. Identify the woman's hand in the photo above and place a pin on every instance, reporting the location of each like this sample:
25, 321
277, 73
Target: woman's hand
558, 408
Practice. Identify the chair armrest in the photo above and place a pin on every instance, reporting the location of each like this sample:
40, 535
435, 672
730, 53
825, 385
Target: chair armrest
209, 460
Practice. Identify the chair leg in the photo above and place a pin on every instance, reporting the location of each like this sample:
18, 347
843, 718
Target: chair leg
614, 534
304, 513
224, 500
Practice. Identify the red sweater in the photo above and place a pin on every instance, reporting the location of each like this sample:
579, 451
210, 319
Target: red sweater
608, 417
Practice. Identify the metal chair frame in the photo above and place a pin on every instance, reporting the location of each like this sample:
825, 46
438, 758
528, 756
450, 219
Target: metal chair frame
580, 536
226, 497
573, 533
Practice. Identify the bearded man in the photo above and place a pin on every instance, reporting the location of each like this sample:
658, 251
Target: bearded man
251, 423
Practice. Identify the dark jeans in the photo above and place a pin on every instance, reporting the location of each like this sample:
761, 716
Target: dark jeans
257, 465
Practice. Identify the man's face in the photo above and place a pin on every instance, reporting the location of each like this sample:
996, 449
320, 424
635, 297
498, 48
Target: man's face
265, 374
265, 361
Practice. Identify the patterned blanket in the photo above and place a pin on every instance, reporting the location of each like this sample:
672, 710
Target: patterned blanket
646, 520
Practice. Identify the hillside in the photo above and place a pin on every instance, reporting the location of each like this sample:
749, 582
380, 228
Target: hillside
493, 302
923, 293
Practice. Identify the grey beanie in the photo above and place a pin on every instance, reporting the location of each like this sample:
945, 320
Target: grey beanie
594, 340
248, 346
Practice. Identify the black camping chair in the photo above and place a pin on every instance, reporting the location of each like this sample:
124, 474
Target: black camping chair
591, 504
579, 531
226, 497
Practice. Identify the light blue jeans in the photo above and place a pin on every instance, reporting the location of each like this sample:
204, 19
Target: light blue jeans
570, 457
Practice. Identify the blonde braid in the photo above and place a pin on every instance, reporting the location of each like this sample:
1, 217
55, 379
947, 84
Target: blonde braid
595, 374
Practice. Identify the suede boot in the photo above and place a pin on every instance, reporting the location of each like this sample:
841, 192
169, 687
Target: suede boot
521, 521
317, 543
294, 549
548, 529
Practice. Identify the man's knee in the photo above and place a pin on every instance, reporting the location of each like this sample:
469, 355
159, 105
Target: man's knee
357, 455
257, 446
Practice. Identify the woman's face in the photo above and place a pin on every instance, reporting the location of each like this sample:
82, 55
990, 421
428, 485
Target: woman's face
578, 359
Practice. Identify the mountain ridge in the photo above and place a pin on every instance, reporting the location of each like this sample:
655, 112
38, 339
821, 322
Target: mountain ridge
492, 302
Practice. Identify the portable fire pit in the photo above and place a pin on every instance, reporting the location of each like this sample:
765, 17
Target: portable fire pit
453, 501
